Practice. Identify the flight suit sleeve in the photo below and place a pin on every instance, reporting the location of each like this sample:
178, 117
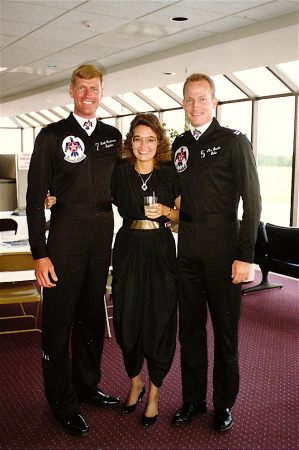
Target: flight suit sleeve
39, 176
246, 176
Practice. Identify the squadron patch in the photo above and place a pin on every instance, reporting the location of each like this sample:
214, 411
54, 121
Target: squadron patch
181, 158
73, 148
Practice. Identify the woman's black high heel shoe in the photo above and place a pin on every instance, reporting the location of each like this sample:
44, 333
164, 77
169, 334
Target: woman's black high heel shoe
148, 421
129, 409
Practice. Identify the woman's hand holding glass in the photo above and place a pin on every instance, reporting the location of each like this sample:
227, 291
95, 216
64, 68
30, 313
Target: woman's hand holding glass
156, 210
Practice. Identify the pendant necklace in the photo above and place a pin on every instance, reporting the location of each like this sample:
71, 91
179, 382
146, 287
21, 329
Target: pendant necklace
144, 185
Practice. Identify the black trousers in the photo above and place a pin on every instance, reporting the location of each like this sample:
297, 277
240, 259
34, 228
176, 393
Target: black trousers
206, 254
145, 300
73, 316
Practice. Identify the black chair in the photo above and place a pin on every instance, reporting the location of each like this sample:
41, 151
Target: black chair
283, 250
261, 258
8, 225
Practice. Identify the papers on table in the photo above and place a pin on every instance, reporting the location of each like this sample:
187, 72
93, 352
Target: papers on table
16, 243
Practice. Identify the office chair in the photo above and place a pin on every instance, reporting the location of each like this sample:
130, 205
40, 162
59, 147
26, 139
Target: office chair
283, 249
8, 225
19, 292
261, 258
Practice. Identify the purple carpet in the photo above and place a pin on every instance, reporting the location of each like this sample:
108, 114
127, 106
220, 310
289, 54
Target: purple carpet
266, 414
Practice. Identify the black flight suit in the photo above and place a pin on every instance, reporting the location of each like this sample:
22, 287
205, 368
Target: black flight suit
214, 172
77, 169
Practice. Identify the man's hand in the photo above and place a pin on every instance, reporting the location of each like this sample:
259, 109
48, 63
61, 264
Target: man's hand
50, 200
240, 271
44, 267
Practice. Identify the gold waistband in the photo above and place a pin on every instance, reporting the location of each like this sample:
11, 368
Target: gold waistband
143, 224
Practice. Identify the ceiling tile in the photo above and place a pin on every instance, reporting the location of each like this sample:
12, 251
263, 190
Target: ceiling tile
22, 12
223, 7
17, 55
61, 4
269, 10
37, 33
118, 40
17, 29
164, 16
187, 36
225, 24
124, 9
141, 29
75, 19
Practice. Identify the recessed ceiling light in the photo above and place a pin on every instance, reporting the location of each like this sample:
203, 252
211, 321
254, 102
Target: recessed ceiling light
179, 19
169, 73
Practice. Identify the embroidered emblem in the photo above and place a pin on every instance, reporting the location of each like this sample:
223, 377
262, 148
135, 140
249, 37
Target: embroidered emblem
73, 148
181, 158
87, 125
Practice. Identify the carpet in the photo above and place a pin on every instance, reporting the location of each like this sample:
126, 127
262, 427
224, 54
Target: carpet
266, 414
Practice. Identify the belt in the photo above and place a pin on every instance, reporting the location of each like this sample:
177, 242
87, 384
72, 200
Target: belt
143, 224
98, 207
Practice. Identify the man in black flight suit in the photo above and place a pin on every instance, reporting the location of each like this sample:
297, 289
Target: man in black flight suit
73, 159
216, 168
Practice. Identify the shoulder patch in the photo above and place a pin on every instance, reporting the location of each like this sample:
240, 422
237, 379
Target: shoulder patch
181, 159
73, 148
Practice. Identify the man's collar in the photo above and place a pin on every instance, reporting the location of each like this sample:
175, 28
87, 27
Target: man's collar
202, 129
81, 120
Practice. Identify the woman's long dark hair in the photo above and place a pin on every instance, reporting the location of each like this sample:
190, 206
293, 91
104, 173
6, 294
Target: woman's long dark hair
163, 153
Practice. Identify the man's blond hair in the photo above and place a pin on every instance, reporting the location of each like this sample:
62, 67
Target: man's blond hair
87, 72
200, 77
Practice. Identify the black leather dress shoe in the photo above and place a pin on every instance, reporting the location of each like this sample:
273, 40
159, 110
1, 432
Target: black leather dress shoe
73, 424
101, 400
186, 414
223, 420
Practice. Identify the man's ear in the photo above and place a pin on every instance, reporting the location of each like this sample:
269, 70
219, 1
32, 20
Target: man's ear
71, 91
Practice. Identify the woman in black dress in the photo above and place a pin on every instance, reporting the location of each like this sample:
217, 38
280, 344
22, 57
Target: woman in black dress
144, 260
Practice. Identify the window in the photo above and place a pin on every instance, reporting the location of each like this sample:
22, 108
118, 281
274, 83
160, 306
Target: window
275, 136
237, 116
11, 141
174, 120
262, 82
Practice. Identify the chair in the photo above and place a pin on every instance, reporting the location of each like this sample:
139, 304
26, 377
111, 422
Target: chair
262, 260
283, 249
8, 225
107, 307
19, 292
